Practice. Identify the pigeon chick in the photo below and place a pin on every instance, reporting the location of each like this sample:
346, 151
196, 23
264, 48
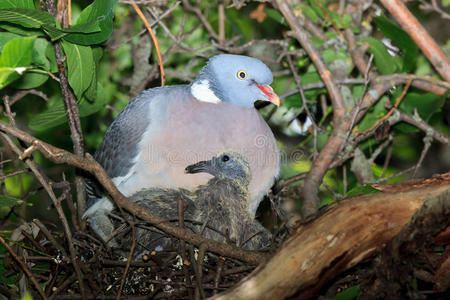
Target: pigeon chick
217, 210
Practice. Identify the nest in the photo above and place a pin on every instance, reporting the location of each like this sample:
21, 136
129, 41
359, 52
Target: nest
181, 272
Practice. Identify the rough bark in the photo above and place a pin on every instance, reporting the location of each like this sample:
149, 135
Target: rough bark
341, 236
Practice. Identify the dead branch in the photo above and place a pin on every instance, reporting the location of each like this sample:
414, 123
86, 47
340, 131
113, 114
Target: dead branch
342, 236
24, 268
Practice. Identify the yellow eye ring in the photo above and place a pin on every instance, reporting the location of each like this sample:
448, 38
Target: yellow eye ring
241, 74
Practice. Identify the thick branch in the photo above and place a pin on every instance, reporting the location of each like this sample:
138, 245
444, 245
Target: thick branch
73, 115
314, 178
342, 236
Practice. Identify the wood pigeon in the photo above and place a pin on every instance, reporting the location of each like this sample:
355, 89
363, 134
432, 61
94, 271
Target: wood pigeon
164, 129
217, 210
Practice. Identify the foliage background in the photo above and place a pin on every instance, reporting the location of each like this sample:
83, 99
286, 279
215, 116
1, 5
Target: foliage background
110, 59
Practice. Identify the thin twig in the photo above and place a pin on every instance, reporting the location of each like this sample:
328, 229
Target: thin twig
427, 144
181, 208
155, 41
221, 13
389, 113
202, 18
15, 173
50, 237
219, 270
153, 24
324, 159
422, 125
298, 81
130, 258
24, 268
387, 160
44, 182
73, 114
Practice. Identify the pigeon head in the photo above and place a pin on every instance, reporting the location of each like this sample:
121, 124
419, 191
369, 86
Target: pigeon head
236, 79
225, 165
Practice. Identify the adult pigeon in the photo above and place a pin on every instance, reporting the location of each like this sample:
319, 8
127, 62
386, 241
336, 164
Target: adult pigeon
218, 210
166, 128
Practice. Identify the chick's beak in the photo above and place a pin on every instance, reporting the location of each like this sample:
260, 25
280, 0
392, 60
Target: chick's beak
269, 93
201, 166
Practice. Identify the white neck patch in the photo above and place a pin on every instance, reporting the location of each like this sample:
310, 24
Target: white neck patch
202, 92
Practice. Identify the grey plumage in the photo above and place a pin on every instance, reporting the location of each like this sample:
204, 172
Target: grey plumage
218, 208
164, 129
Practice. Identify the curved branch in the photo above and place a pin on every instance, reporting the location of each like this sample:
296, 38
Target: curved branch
328, 153
342, 236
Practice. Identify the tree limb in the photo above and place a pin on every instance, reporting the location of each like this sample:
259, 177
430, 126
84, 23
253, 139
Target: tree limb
342, 236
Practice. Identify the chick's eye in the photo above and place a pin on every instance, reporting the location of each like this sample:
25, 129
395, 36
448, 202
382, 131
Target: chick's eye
225, 158
241, 74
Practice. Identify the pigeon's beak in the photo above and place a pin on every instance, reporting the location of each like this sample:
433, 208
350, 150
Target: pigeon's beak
269, 93
201, 166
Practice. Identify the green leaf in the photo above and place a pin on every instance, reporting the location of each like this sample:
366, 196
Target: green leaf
426, 104
361, 190
30, 80
8, 75
385, 63
6, 37
87, 107
56, 34
423, 66
55, 114
347, 294
17, 52
23, 31
330, 55
316, 8
274, 14
445, 3
53, 32
26, 17
376, 112
6, 201
310, 13
50, 54
80, 65
17, 4
39, 49
100, 12
346, 21
91, 92
402, 39
84, 28
27, 296
341, 21
15, 59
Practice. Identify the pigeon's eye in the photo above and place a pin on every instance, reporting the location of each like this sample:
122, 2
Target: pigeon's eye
241, 74
225, 158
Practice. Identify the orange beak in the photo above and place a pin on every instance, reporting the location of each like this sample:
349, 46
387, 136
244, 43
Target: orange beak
269, 93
